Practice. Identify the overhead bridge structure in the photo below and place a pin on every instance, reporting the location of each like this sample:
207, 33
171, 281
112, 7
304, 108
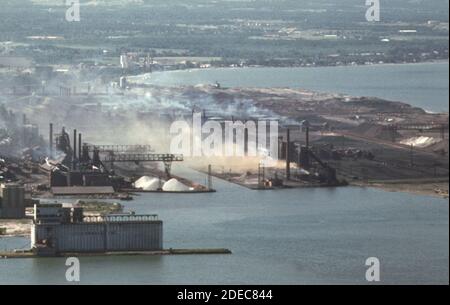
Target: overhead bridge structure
442, 128
111, 154
119, 148
167, 159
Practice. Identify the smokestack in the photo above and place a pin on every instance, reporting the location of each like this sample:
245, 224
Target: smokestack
51, 140
75, 144
288, 154
79, 146
246, 141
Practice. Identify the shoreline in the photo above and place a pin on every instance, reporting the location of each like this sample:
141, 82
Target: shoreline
205, 77
423, 192
438, 188
437, 61
31, 254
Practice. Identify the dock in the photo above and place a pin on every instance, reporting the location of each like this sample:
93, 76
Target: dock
31, 254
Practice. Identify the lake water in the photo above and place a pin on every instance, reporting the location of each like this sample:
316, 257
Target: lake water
299, 236
423, 85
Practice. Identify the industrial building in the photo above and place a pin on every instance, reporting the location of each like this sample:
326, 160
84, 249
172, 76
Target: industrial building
57, 229
12, 201
78, 168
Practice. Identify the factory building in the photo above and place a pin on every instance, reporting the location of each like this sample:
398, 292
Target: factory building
12, 201
57, 229
79, 178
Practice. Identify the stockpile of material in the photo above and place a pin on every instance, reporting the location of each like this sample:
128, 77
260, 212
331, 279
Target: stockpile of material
420, 141
148, 183
377, 131
173, 185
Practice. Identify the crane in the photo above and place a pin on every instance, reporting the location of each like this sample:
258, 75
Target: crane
127, 153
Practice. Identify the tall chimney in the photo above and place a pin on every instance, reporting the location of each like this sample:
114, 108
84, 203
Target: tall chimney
246, 141
51, 140
288, 154
75, 144
79, 146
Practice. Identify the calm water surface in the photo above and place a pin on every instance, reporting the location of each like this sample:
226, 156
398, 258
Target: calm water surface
304, 236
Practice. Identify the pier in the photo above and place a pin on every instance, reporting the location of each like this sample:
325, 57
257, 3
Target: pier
31, 254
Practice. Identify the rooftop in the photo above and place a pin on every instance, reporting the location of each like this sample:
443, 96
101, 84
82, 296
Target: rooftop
121, 218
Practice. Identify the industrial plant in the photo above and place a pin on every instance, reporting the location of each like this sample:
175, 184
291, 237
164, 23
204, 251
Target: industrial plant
83, 169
